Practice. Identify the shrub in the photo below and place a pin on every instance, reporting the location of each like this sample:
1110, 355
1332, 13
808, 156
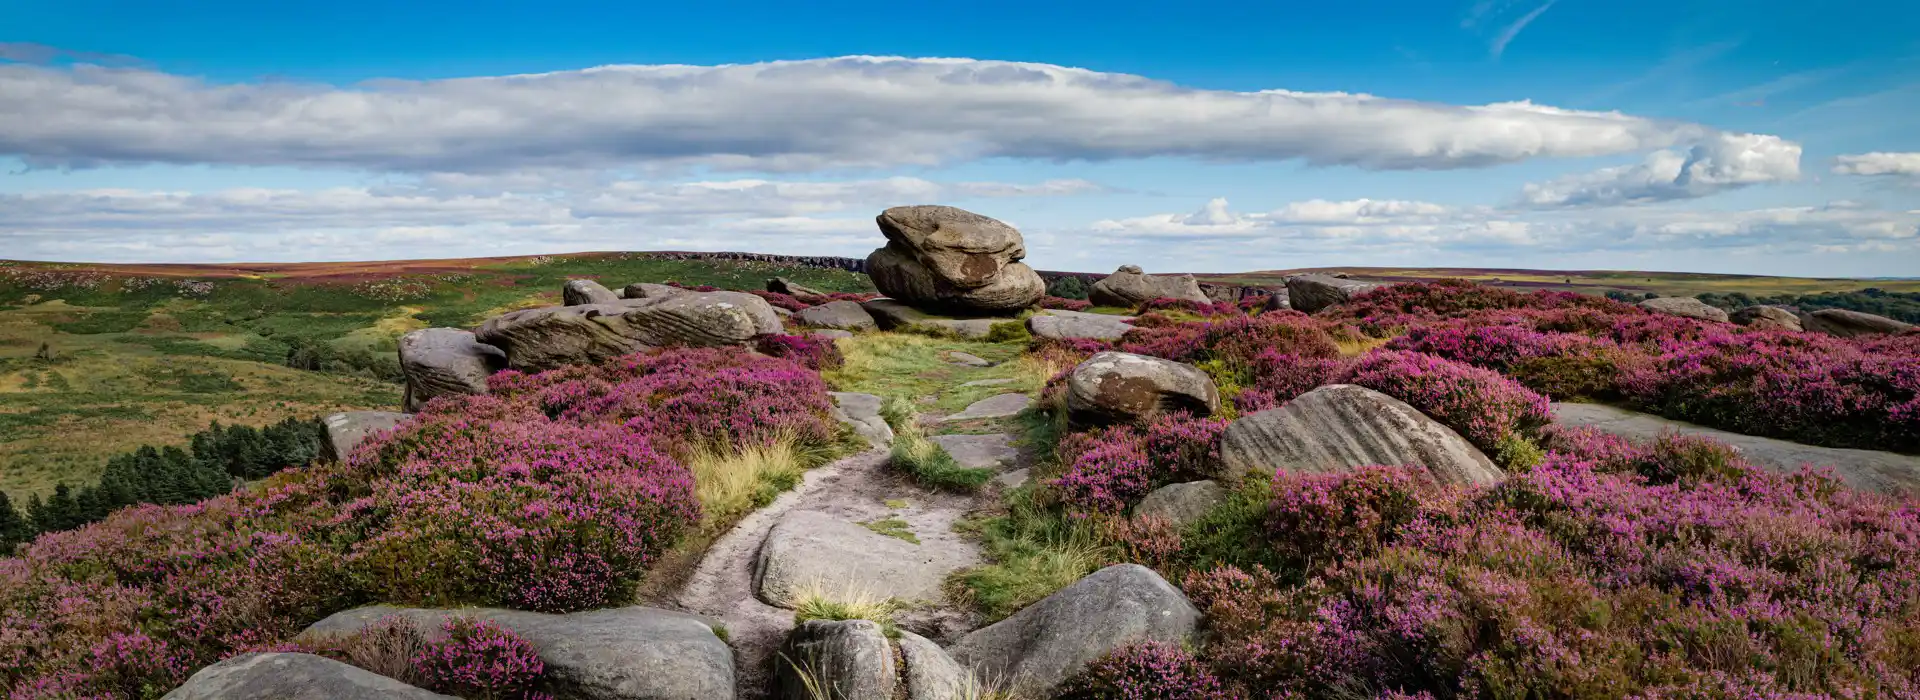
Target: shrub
1236, 341
480, 660
780, 300
1155, 670
816, 354
1064, 303
1070, 287
1189, 306
1110, 468
1008, 332
1485, 407
1280, 377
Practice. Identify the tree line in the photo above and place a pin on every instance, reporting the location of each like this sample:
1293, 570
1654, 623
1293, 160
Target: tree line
214, 460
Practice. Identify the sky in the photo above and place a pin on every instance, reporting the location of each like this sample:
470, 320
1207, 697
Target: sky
1761, 136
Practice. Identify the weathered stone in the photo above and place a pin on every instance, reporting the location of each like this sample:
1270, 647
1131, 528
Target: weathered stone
1014, 479
893, 315
1277, 301
1769, 318
967, 359
991, 451
1118, 387
446, 362
1181, 504
545, 338
844, 658
291, 676
347, 430
930, 673
1051, 640
1313, 292
844, 315
582, 292
1685, 306
1341, 427
649, 290
782, 285
862, 412
1061, 325
988, 382
948, 258
1846, 323
632, 653
828, 334
1002, 406
1128, 287
809, 548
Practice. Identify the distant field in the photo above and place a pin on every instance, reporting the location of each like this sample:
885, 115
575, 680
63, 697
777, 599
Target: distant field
147, 354
1666, 284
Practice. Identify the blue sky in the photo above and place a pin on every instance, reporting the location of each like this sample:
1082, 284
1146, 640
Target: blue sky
1761, 137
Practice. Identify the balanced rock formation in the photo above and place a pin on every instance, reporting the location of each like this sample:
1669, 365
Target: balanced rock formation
1313, 292
840, 659
843, 315
583, 292
1845, 323
952, 259
1060, 324
1766, 318
292, 676
1341, 427
1119, 387
631, 653
545, 338
347, 430
1130, 287
1685, 306
446, 361
1052, 640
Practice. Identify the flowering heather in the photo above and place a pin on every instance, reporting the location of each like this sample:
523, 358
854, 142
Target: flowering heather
555, 493
1235, 340
779, 300
1485, 407
1064, 304
1316, 519
1280, 377
1145, 671
480, 660
1209, 309
1111, 468
1254, 304
1397, 306
816, 354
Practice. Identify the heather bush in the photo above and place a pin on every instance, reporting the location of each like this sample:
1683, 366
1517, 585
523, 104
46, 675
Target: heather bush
1382, 311
1145, 671
1189, 306
480, 660
1317, 519
780, 300
1111, 468
1235, 340
1064, 303
1485, 407
1280, 377
816, 354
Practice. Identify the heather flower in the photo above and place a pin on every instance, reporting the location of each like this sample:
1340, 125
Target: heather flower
480, 660
1483, 406
1145, 671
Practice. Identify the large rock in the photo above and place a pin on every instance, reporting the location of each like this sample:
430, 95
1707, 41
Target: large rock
1060, 325
1766, 318
1050, 641
809, 548
842, 658
445, 362
844, 315
862, 413
545, 338
931, 674
290, 676
1340, 427
631, 653
583, 292
1181, 504
1686, 306
1845, 323
1313, 292
1128, 286
346, 431
1118, 387
782, 285
1278, 300
948, 258
893, 315
650, 290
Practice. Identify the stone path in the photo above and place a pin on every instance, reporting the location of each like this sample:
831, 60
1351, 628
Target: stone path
1002, 406
1867, 470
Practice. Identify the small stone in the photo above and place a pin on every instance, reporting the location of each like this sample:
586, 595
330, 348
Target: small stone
844, 315
992, 451
1002, 406
1052, 640
581, 292
849, 658
862, 412
1685, 306
970, 360
1119, 387
1312, 292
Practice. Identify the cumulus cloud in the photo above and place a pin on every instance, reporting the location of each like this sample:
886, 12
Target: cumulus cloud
1722, 162
775, 116
1901, 166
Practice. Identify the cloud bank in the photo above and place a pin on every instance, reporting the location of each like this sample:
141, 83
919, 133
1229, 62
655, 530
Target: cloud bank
1718, 163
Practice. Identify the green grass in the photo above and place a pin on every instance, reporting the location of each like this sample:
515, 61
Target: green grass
925, 460
1034, 552
892, 527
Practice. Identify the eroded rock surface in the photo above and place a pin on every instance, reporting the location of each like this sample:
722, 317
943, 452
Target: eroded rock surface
1130, 287
862, 412
347, 430
1181, 504
545, 338
843, 659
1341, 427
1060, 325
446, 361
291, 676
1313, 292
947, 258
1118, 387
809, 549
1845, 323
581, 292
843, 315
1766, 318
1686, 306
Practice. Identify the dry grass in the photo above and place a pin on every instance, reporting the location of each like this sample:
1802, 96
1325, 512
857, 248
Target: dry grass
820, 601
1355, 348
732, 481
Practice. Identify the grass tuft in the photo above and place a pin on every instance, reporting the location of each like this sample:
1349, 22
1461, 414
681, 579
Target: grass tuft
817, 601
731, 481
922, 458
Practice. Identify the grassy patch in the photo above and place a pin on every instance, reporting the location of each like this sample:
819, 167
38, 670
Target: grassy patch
907, 365
1035, 552
101, 322
817, 601
730, 482
892, 527
925, 460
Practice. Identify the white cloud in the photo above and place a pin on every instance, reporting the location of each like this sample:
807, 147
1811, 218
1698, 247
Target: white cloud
775, 116
1901, 166
1722, 162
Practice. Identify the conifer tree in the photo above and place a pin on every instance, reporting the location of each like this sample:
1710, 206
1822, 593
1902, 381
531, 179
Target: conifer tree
13, 526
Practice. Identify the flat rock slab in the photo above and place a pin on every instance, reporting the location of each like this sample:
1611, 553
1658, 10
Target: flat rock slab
811, 548
1001, 406
1035, 649
987, 382
1867, 470
968, 359
1060, 324
347, 430
290, 676
862, 412
1014, 479
994, 451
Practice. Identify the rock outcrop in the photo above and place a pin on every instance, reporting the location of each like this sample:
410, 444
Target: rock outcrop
583, 292
1845, 323
1048, 642
1129, 287
1181, 504
1313, 292
649, 290
1766, 318
1279, 300
1340, 427
1060, 325
839, 659
930, 673
893, 315
862, 413
631, 653
782, 285
545, 338
347, 430
292, 676
1118, 387
1686, 306
951, 259
810, 548
843, 315
446, 361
